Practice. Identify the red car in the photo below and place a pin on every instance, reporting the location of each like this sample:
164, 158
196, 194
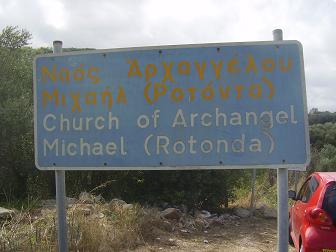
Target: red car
312, 218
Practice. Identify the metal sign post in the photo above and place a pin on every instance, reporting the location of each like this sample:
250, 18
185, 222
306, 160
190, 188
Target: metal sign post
282, 186
253, 187
60, 190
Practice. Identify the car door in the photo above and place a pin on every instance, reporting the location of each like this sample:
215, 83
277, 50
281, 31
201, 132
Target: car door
299, 208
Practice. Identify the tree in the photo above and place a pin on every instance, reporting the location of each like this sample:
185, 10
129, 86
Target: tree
12, 37
328, 158
316, 117
321, 134
16, 110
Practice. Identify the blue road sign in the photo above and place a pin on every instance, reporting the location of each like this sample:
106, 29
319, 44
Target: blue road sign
209, 106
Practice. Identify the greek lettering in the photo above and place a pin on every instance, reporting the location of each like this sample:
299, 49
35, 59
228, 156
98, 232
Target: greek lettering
268, 65
231, 67
79, 73
107, 95
177, 94
224, 93
284, 68
200, 69
64, 74
63, 99
255, 91
192, 91
239, 89
150, 71
217, 68
46, 74
159, 90
167, 74
121, 97
208, 92
146, 93
269, 85
94, 78
91, 98
134, 69
76, 104
49, 97
251, 65
183, 67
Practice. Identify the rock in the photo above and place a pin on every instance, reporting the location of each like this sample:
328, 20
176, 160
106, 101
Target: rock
184, 208
258, 212
179, 224
127, 206
85, 211
201, 223
48, 211
204, 214
171, 213
99, 216
166, 225
99, 199
49, 203
6, 213
261, 207
86, 198
220, 220
164, 205
227, 216
117, 202
189, 223
223, 219
71, 201
270, 212
242, 213
206, 241
171, 242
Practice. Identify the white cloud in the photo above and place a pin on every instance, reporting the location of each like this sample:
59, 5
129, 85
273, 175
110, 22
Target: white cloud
125, 23
54, 13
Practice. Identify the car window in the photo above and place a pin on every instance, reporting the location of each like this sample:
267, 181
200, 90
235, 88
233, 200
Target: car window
307, 189
307, 195
313, 184
329, 201
303, 190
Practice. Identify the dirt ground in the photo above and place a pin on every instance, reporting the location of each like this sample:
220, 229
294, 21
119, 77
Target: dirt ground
251, 235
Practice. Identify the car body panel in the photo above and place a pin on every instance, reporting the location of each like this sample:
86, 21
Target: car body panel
302, 230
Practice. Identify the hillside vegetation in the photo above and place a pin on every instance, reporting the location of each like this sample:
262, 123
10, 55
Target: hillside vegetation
20, 180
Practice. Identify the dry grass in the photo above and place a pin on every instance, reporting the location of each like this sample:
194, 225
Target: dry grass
264, 195
91, 227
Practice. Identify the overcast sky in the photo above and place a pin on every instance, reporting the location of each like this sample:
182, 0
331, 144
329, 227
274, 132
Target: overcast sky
125, 23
